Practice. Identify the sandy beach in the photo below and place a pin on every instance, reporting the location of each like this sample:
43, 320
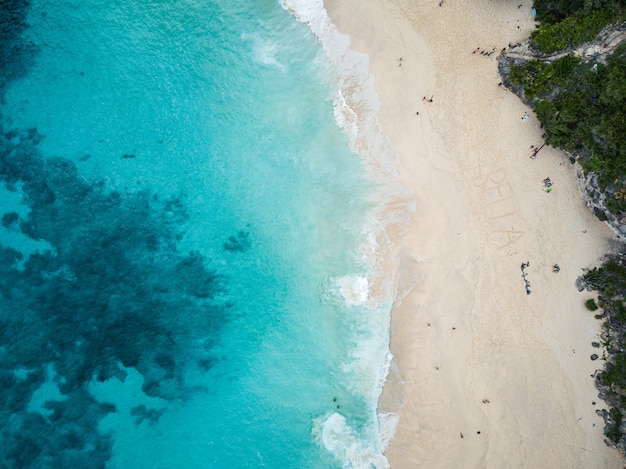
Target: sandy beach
485, 375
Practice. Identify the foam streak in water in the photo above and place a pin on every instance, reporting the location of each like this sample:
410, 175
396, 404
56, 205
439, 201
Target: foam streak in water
356, 105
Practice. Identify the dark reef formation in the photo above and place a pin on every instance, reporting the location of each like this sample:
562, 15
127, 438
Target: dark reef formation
112, 289
16, 55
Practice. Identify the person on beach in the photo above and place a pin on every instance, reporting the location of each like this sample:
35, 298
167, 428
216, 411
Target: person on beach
536, 150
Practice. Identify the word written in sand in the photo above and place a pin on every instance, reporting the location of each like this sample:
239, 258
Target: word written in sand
499, 207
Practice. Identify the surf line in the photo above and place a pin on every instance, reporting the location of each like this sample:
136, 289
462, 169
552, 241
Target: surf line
498, 206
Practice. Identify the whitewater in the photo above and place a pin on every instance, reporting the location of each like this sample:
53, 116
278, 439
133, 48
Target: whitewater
199, 228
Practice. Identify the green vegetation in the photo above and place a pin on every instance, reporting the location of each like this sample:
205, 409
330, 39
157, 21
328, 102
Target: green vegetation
581, 104
554, 11
610, 281
568, 23
572, 31
582, 107
541, 78
613, 432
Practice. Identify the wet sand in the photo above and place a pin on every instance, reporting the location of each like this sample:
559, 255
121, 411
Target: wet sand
485, 375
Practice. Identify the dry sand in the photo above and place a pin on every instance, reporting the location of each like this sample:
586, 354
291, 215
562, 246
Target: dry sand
487, 376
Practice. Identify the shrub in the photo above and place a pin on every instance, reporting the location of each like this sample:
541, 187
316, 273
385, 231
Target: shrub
591, 305
582, 107
572, 31
541, 78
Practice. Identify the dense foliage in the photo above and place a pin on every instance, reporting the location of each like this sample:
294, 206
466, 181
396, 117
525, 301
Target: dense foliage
582, 107
581, 104
542, 78
572, 31
554, 11
610, 281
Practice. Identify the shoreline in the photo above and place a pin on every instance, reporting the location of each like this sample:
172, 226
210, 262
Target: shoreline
484, 375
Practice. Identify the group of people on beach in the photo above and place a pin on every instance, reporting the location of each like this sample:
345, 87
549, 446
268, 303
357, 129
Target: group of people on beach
524, 274
555, 268
547, 184
485, 53
493, 49
429, 100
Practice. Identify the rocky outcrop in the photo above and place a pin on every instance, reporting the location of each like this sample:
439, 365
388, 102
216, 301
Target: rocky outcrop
595, 197
607, 202
611, 286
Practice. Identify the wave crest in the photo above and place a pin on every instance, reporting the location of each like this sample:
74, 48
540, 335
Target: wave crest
392, 204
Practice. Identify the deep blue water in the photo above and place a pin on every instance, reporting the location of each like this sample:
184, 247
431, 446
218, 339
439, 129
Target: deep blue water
183, 280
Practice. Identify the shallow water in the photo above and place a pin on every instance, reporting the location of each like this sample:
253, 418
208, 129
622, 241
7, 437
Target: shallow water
184, 283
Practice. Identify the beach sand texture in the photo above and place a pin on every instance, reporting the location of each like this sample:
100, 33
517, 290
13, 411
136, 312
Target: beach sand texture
484, 374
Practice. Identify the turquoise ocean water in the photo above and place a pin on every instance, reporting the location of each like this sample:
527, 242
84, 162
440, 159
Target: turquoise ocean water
191, 247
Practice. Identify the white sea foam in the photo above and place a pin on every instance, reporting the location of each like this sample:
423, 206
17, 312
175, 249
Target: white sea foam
387, 424
355, 107
354, 289
263, 51
356, 102
344, 443
345, 117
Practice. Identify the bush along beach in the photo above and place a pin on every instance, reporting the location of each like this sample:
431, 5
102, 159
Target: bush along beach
577, 88
610, 283
572, 72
